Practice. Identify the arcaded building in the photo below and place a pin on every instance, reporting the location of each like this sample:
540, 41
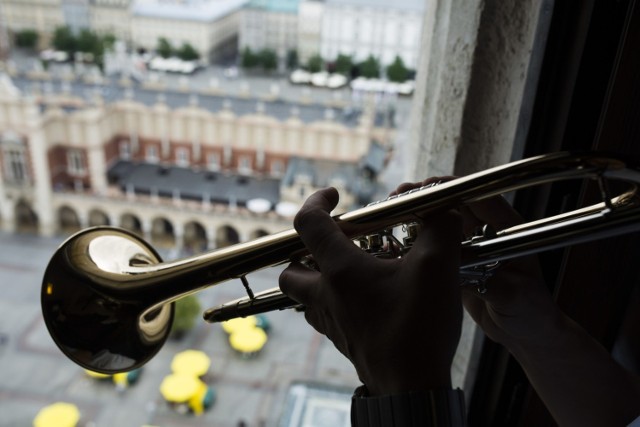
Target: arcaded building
203, 174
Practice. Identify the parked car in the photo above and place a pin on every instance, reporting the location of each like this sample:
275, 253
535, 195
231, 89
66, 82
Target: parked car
54, 55
319, 79
336, 81
300, 77
173, 65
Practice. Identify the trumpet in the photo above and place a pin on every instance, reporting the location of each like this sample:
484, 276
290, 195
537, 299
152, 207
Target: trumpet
107, 296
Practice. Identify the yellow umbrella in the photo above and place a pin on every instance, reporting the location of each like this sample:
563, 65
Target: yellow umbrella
179, 388
97, 375
193, 362
249, 340
60, 414
196, 403
230, 326
121, 379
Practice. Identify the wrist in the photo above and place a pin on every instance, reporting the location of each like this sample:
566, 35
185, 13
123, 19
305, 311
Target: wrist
395, 386
438, 407
408, 377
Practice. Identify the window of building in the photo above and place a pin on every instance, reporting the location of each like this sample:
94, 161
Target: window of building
182, 157
75, 162
244, 164
213, 161
277, 168
15, 158
125, 150
151, 154
15, 165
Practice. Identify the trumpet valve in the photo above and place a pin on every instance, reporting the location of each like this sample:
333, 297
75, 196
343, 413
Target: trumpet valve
411, 231
374, 243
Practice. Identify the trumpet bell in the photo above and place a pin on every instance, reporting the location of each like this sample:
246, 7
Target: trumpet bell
95, 329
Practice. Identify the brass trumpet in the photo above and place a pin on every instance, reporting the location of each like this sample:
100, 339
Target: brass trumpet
106, 296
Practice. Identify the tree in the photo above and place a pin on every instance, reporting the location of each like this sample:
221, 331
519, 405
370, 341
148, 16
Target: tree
187, 310
164, 47
27, 39
268, 59
397, 72
292, 59
63, 39
344, 63
315, 63
108, 41
249, 59
88, 41
188, 52
370, 68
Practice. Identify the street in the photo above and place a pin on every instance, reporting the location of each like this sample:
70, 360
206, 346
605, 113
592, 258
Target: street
212, 79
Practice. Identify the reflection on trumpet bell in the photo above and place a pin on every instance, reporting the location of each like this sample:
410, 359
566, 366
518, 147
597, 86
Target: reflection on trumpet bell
106, 296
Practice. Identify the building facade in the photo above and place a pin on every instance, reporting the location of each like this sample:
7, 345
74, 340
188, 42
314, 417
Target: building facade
44, 16
270, 24
111, 17
76, 14
309, 28
62, 168
210, 26
372, 27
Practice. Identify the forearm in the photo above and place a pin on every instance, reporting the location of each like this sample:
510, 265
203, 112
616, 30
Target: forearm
576, 377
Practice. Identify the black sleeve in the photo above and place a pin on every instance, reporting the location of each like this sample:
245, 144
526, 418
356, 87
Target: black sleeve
432, 408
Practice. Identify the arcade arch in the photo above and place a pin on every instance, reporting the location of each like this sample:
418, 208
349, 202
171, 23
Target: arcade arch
226, 236
258, 233
26, 219
132, 223
98, 217
162, 233
68, 220
195, 237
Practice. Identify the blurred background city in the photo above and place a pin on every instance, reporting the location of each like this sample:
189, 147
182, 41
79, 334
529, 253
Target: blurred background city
196, 124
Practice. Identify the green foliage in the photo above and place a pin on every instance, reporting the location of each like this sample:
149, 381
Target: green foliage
344, 63
268, 59
370, 68
88, 41
397, 72
108, 41
26, 38
188, 52
63, 39
292, 59
249, 59
187, 311
164, 47
265, 59
315, 63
